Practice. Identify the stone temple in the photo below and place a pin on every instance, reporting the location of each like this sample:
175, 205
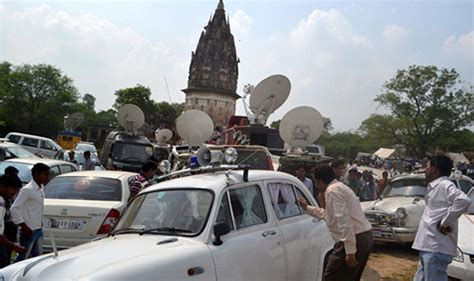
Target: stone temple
213, 73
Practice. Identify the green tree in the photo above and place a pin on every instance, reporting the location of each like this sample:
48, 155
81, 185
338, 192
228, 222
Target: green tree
35, 98
425, 104
141, 97
167, 113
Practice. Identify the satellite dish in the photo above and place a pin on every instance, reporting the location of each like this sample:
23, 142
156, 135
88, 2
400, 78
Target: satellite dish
130, 117
301, 127
71, 122
267, 96
195, 127
163, 136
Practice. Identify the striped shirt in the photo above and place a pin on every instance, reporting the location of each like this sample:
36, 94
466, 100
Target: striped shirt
138, 183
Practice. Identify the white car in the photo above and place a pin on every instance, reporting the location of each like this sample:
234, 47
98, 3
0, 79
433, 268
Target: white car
24, 166
220, 225
38, 145
9, 150
396, 215
462, 267
82, 206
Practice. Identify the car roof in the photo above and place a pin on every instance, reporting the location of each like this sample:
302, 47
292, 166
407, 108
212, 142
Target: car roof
101, 174
33, 161
28, 135
217, 181
422, 176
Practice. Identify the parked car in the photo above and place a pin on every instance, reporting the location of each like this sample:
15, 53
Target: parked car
24, 166
36, 144
462, 267
219, 225
86, 146
82, 206
396, 215
9, 150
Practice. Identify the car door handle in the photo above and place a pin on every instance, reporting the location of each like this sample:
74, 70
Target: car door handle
268, 232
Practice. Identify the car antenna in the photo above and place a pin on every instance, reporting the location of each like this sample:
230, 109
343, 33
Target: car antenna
53, 244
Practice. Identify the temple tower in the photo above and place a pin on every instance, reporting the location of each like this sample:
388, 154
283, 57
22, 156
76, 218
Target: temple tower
213, 73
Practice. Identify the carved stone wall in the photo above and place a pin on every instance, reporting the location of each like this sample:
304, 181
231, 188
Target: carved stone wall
219, 107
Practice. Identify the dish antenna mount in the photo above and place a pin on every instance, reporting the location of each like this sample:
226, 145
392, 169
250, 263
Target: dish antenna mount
131, 118
301, 127
195, 127
71, 122
163, 136
266, 97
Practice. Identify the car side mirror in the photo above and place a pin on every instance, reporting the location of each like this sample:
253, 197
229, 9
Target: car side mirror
220, 228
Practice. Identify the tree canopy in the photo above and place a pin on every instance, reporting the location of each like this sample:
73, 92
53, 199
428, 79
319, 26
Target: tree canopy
425, 104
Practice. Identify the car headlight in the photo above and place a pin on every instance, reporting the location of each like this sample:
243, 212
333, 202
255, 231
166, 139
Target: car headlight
230, 155
459, 257
401, 213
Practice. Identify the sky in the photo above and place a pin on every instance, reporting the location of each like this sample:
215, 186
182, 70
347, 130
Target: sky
337, 54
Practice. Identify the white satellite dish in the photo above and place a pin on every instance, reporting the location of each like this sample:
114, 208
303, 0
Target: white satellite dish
130, 117
267, 96
71, 122
163, 136
301, 127
195, 127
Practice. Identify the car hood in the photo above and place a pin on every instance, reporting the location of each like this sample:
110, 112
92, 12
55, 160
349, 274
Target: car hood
391, 204
101, 259
466, 228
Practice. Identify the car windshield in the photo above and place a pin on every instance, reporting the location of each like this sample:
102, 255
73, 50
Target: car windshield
85, 147
405, 187
170, 212
79, 156
24, 170
20, 152
470, 211
132, 152
84, 188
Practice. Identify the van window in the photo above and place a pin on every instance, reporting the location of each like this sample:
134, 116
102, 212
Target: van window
14, 138
46, 145
30, 142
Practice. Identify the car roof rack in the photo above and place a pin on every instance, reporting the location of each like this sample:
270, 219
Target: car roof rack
203, 170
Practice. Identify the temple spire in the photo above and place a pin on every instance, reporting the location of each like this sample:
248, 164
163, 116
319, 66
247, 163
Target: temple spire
220, 6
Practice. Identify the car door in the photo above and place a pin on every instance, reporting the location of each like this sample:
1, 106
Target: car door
306, 240
31, 144
252, 250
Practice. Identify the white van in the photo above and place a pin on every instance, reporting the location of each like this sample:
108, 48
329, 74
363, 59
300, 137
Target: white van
38, 145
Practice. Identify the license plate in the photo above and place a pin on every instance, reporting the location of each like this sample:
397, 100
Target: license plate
64, 223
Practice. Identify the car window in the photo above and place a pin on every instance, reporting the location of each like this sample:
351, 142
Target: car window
283, 198
20, 152
247, 206
84, 188
46, 145
30, 142
224, 214
24, 170
67, 168
54, 171
464, 185
14, 138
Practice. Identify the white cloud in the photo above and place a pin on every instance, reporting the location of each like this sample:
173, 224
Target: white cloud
98, 55
462, 45
395, 33
240, 22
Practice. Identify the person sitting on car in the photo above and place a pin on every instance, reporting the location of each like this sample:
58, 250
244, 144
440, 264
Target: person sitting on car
142, 180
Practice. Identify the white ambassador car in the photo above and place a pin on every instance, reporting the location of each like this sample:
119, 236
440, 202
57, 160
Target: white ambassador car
462, 267
82, 206
396, 215
219, 225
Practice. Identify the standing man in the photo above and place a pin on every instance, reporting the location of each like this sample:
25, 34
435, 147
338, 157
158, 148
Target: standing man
301, 175
354, 182
71, 155
437, 234
89, 164
347, 223
142, 180
27, 211
9, 186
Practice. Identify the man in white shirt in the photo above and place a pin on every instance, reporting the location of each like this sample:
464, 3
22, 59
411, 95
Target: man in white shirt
89, 164
437, 234
347, 223
27, 211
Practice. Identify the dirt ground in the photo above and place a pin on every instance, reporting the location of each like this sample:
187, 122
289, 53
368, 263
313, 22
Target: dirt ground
390, 262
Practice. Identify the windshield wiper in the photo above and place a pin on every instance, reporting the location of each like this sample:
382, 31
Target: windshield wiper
166, 229
126, 230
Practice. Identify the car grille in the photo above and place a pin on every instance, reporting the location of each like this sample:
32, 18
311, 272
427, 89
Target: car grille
378, 219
